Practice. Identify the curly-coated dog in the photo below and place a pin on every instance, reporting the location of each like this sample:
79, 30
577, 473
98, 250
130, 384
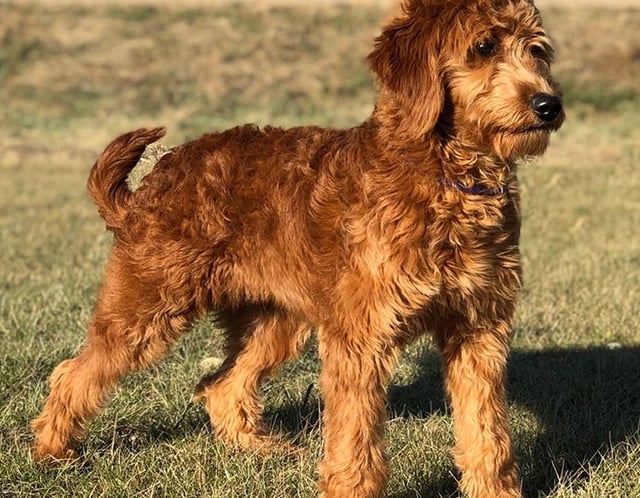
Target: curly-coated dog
369, 237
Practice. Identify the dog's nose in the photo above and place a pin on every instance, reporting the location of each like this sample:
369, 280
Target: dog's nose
546, 107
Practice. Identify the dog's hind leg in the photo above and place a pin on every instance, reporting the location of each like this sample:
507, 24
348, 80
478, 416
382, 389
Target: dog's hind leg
133, 325
259, 340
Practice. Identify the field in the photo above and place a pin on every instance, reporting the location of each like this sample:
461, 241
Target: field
73, 76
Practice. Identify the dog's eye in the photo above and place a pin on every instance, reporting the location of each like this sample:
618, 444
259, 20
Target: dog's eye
487, 48
537, 51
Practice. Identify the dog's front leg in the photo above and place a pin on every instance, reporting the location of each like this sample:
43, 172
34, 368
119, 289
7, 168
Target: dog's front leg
474, 367
355, 374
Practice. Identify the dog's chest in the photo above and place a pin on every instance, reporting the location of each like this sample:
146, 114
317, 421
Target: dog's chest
455, 258
472, 250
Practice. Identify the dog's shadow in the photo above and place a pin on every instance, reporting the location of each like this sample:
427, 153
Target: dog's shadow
584, 400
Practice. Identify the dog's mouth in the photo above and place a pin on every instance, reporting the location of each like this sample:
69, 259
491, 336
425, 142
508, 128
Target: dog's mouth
545, 128
534, 129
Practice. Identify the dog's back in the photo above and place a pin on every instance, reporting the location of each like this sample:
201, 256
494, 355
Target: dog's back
238, 208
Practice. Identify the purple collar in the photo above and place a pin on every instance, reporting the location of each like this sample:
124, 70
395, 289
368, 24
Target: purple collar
476, 189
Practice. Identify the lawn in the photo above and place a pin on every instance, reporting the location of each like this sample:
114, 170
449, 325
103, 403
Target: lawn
73, 77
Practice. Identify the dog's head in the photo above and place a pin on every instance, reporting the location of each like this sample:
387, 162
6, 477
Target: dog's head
474, 70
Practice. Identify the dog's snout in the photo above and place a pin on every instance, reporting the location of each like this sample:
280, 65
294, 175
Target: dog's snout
546, 107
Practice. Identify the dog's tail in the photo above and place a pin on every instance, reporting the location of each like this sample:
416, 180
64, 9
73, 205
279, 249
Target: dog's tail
107, 180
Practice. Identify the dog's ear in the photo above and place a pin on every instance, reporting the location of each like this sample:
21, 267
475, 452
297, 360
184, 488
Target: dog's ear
406, 61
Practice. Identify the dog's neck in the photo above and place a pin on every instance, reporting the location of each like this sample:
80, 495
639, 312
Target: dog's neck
468, 168
452, 161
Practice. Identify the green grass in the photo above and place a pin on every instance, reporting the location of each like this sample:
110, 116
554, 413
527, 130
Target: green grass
73, 78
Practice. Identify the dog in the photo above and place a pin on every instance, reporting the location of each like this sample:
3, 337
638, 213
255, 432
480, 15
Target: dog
368, 237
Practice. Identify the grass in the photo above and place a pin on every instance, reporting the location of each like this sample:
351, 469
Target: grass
74, 77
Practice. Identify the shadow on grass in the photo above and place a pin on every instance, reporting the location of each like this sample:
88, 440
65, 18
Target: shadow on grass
584, 399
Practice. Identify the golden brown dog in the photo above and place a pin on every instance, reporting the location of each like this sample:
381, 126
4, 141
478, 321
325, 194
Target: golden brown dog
370, 236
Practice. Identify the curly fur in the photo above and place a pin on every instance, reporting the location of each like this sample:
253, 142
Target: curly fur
371, 236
